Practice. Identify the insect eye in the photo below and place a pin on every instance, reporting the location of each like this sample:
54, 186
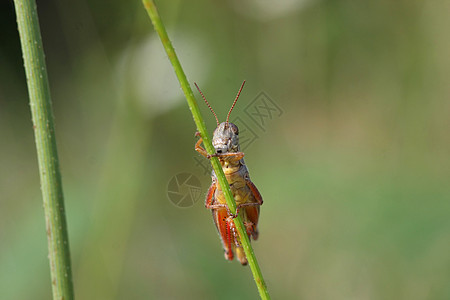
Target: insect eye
235, 129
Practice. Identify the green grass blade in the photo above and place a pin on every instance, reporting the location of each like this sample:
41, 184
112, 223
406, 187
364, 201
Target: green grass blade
51, 186
198, 119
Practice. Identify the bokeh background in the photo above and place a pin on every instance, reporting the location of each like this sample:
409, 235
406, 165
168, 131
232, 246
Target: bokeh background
354, 171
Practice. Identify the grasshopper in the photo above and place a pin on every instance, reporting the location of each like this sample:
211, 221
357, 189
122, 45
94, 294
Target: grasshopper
248, 199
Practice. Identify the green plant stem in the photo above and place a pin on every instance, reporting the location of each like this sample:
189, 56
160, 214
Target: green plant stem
51, 186
198, 119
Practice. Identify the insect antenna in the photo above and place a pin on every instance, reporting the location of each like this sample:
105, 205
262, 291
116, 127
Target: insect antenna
207, 103
235, 100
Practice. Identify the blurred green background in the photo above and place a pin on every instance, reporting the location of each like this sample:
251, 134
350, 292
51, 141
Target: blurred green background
354, 173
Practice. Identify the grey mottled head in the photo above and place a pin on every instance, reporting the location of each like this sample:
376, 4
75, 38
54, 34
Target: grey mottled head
226, 138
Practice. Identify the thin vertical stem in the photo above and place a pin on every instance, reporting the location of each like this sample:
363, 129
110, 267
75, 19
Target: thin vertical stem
51, 185
198, 119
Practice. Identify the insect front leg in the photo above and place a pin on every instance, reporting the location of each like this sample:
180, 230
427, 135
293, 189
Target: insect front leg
235, 156
199, 148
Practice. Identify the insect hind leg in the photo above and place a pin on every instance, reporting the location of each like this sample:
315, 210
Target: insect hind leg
240, 254
225, 230
251, 230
